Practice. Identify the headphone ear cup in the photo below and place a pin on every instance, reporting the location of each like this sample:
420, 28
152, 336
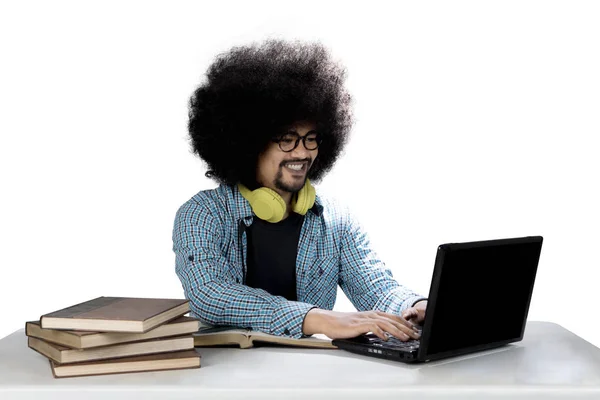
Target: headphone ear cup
306, 199
268, 205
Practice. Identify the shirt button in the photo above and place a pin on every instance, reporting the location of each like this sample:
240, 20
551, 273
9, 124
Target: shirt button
237, 280
191, 258
320, 271
286, 331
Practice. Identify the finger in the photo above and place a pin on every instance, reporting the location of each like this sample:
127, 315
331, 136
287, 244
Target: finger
398, 319
411, 331
377, 331
415, 318
420, 317
393, 330
412, 315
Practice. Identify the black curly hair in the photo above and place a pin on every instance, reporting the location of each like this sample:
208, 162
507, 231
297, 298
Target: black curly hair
253, 93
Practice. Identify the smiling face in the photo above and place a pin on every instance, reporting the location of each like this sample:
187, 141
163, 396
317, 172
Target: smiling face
286, 172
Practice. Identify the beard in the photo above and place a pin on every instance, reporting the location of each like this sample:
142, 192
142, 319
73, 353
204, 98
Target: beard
291, 188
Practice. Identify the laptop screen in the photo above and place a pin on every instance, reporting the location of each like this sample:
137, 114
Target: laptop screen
483, 295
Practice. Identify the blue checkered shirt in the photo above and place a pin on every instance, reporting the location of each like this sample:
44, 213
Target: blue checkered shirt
211, 247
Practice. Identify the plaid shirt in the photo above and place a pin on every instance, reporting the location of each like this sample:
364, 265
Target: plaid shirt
210, 245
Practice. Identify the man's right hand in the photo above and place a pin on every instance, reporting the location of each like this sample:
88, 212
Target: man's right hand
342, 325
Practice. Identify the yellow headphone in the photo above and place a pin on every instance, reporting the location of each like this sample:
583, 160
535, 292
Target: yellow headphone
268, 205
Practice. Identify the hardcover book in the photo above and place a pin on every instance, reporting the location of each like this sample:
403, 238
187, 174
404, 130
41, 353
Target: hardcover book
155, 362
63, 355
86, 340
116, 314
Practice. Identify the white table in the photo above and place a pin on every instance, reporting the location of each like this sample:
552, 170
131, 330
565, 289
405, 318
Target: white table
550, 363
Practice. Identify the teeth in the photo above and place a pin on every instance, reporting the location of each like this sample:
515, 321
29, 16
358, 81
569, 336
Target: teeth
296, 167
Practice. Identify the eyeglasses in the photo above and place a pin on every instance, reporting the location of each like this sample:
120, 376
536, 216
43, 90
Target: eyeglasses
289, 141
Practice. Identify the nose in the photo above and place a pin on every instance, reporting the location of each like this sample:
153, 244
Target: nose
301, 152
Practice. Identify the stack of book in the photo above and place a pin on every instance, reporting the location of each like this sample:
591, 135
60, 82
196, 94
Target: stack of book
111, 335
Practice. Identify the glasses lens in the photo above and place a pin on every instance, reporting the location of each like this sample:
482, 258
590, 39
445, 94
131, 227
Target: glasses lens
287, 142
311, 141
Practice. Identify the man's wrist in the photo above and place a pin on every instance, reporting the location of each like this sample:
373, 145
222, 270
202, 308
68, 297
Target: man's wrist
418, 301
312, 323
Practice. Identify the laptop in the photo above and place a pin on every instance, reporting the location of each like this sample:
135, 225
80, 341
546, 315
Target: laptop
478, 300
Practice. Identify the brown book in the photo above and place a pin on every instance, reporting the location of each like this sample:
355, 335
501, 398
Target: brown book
116, 314
86, 340
63, 355
245, 338
155, 362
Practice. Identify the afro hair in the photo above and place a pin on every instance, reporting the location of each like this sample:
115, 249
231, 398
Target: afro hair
253, 92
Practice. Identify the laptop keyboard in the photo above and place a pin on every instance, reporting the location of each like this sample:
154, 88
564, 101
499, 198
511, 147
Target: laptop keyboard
392, 342
396, 344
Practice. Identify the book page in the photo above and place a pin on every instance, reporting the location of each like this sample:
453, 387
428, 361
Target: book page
319, 340
209, 329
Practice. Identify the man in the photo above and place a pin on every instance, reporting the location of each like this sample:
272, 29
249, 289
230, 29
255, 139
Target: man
263, 250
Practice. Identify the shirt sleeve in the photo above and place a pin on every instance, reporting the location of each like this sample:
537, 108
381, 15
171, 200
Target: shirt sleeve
364, 278
209, 280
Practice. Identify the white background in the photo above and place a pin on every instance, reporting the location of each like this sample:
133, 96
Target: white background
475, 120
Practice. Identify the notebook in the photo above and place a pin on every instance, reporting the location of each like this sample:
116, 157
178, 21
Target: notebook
478, 299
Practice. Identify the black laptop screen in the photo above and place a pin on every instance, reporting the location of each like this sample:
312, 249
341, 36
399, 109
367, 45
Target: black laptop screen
483, 295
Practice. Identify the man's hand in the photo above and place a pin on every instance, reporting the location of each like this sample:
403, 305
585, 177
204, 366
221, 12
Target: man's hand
416, 313
341, 325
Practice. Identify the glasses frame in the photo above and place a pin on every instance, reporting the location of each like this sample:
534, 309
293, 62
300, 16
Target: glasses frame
299, 138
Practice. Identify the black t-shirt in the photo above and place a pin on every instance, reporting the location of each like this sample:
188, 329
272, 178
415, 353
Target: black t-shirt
272, 250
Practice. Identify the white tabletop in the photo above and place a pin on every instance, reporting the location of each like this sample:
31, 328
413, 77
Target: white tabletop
550, 362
